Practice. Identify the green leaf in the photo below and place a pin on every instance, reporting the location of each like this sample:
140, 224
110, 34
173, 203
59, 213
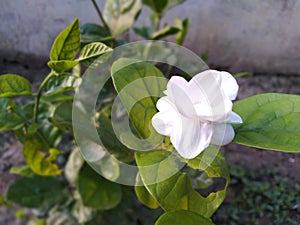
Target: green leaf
62, 116
62, 83
176, 192
14, 85
97, 192
92, 33
60, 66
60, 218
243, 74
183, 25
270, 121
145, 197
22, 170
121, 14
93, 50
67, 43
9, 120
148, 82
158, 6
144, 32
164, 32
36, 192
35, 156
177, 218
161, 6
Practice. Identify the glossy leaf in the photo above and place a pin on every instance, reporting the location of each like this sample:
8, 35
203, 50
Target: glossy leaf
60, 66
97, 192
182, 217
67, 43
36, 192
121, 14
145, 197
270, 121
62, 116
176, 192
14, 85
35, 156
148, 81
93, 50
164, 32
62, 83
9, 120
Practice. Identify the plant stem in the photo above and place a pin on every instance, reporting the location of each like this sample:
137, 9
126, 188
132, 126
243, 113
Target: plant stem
101, 17
39, 94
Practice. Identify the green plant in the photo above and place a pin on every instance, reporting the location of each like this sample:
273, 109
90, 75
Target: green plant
262, 196
61, 188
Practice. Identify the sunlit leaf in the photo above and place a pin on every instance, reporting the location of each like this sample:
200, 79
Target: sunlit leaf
62, 65
14, 85
270, 121
67, 43
182, 217
121, 14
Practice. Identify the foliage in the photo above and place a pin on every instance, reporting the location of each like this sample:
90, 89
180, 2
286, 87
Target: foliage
262, 195
62, 189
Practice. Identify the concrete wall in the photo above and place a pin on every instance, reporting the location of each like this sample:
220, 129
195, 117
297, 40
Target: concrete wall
255, 35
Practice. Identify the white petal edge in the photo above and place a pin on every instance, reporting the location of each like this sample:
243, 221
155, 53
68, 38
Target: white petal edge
191, 137
223, 134
234, 118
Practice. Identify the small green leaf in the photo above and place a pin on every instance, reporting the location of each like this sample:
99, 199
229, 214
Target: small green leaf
121, 14
183, 25
243, 74
149, 82
22, 170
62, 116
73, 166
92, 33
14, 85
9, 120
161, 6
158, 6
270, 121
37, 160
97, 192
67, 43
93, 50
164, 32
36, 192
144, 32
60, 66
62, 83
180, 217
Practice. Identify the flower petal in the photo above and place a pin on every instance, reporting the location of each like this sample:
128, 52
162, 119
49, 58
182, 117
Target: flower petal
234, 118
191, 138
209, 100
177, 92
165, 121
228, 84
223, 134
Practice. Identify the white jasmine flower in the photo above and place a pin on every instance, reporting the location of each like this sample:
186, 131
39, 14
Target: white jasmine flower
198, 113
